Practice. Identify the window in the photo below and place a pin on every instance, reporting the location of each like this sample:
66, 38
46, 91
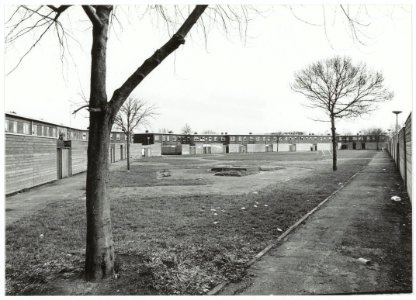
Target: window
167, 138
264, 139
232, 139
245, 138
157, 138
173, 138
84, 135
26, 128
117, 136
215, 138
202, 139
222, 139
6, 125
196, 138
45, 130
240, 138
257, 138
210, 139
163, 138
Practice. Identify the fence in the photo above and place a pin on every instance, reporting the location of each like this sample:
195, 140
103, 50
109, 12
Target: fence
400, 149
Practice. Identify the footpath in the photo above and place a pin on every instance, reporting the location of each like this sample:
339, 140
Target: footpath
360, 241
25, 203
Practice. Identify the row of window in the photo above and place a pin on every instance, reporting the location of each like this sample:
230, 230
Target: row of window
30, 128
172, 138
25, 127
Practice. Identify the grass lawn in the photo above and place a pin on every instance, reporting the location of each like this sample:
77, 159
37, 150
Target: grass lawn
169, 244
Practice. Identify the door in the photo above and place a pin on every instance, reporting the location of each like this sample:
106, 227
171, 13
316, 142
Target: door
363, 146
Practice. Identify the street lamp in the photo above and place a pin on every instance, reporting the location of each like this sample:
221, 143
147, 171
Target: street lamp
148, 140
397, 112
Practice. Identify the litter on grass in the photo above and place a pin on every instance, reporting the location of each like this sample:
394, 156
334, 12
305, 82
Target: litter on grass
396, 198
364, 261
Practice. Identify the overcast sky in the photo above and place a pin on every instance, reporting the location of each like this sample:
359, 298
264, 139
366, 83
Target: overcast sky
229, 85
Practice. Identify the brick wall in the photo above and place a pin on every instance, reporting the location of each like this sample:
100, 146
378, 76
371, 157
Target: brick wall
29, 161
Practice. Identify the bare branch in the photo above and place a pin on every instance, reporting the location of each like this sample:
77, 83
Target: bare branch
152, 62
91, 13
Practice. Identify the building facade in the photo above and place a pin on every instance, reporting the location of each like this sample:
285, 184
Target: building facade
170, 143
37, 151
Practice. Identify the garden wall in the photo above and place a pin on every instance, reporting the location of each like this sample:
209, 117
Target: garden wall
29, 161
400, 148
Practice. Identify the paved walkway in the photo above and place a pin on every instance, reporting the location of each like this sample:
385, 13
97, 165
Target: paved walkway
23, 204
322, 255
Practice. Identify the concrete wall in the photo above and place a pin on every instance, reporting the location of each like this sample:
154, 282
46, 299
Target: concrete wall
303, 147
252, 148
402, 155
79, 156
400, 148
185, 149
136, 151
153, 150
325, 146
199, 148
29, 161
408, 145
217, 148
233, 148
283, 147
275, 147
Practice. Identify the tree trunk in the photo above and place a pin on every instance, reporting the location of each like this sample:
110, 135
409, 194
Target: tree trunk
334, 144
99, 261
128, 151
99, 257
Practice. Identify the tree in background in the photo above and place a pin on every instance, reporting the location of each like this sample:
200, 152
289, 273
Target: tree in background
209, 131
133, 113
342, 90
186, 129
376, 132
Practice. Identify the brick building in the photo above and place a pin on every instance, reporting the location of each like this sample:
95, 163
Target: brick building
37, 151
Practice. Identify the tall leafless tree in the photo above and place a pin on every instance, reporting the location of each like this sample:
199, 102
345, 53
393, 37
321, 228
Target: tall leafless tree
342, 90
133, 113
186, 129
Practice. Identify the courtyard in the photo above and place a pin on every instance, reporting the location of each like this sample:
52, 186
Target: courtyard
178, 228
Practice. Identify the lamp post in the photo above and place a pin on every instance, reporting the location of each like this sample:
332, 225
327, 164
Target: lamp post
397, 112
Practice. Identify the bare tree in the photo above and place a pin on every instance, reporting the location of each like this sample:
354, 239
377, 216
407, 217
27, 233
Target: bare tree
342, 90
209, 131
377, 133
186, 129
133, 113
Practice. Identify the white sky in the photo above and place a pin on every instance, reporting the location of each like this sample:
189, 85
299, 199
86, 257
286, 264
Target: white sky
230, 86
